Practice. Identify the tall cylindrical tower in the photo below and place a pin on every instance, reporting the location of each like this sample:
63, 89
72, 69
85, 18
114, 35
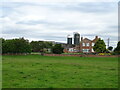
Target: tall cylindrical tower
69, 39
76, 38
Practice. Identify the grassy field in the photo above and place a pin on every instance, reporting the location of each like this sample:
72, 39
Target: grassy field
35, 71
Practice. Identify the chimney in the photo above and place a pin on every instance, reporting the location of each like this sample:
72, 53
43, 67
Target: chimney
81, 38
96, 37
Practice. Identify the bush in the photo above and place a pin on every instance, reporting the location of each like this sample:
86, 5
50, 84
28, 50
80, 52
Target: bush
57, 49
104, 54
114, 53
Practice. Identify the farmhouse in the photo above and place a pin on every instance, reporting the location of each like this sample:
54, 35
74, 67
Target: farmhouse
83, 46
86, 45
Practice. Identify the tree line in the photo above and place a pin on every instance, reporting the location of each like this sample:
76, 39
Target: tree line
21, 45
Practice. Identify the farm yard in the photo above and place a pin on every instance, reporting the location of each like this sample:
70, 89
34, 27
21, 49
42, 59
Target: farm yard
35, 71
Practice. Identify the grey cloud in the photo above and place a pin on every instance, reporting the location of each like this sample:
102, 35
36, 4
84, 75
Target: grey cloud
33, 22
45, 37
114, 27
109, 29
55, 25
89, 7
92, 35
11, 30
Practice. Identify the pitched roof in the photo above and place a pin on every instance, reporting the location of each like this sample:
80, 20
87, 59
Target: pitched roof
94, 40
86, 39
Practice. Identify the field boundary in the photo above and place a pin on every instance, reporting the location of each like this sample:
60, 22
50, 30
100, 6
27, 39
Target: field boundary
81, 55
75, 55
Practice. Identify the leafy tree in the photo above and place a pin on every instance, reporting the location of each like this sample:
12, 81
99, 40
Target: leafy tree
99, 46
117, 49
8, 46
34, 46
57, 49
16, 46
1, 42
110, 48
41, 46
48, 45
37, 46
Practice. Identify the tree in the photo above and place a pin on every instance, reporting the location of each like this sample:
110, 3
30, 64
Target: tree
110, 48
117, 49
48, 45
16, 46
8, 46
1, 42
57, 49
37, 46
99, 46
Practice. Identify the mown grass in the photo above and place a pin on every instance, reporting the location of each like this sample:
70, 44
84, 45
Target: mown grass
35, 71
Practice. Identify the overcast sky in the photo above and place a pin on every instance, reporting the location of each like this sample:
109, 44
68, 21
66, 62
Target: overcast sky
55, 19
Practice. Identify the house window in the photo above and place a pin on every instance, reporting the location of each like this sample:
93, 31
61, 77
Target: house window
87, 44
86, 50
71, 49
83, 44
93, 44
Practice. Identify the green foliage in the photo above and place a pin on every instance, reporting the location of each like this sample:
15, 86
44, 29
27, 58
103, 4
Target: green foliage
108, 54
35, 71
57, 49
48, 45
16, 46
110, 48
38, 46
99, 46
23, 46
1, 42
117, 49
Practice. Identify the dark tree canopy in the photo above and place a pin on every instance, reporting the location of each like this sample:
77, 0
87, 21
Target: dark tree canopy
117, 49
57, 49
110, 48
48, 45
16, 46
99, 46
38, 46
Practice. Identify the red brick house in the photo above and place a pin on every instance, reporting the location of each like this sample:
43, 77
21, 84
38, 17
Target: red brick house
86, 45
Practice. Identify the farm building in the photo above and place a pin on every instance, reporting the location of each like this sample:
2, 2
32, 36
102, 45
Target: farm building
85, 46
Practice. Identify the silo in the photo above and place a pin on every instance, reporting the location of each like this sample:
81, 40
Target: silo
69, 39
76, 38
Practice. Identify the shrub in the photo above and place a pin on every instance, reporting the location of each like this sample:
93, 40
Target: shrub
104, 54
57, 49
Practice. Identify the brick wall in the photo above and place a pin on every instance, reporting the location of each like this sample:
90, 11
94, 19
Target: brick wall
80, 55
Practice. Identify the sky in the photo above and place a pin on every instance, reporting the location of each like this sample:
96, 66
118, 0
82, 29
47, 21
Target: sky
53, 20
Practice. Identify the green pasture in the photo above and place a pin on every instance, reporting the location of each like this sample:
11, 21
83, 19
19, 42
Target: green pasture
35, 71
